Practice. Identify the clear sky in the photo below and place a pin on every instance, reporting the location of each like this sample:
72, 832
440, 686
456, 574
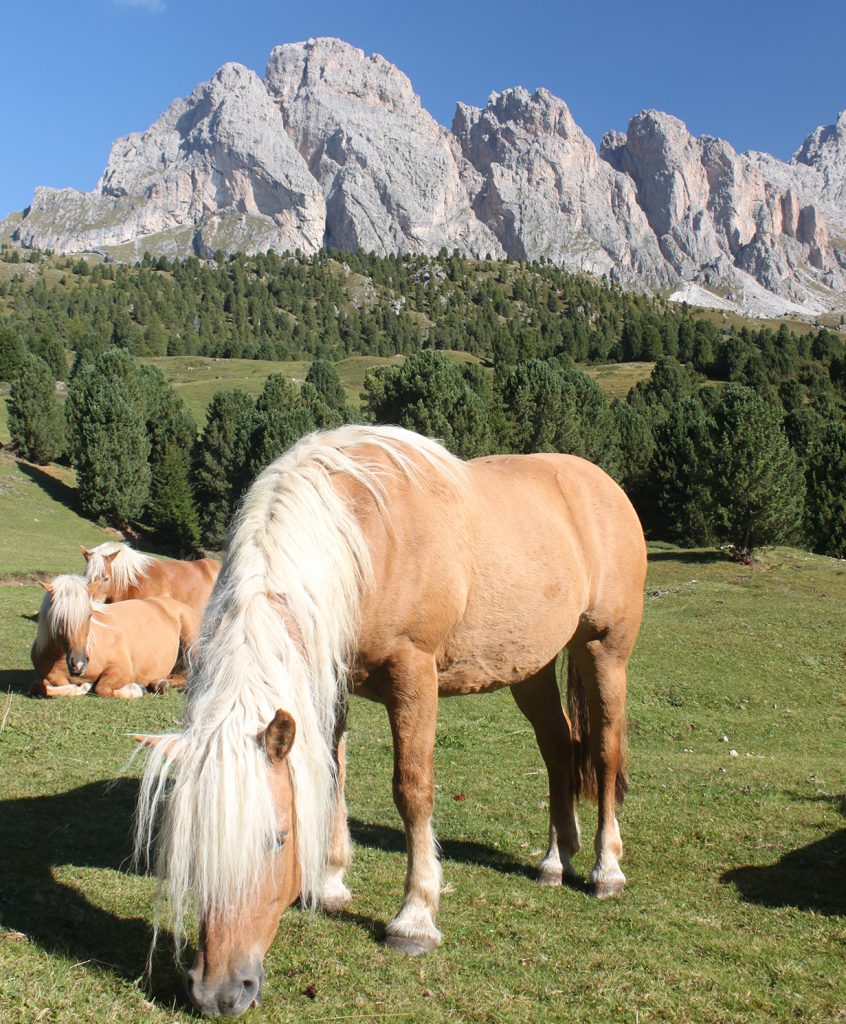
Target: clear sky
77, 74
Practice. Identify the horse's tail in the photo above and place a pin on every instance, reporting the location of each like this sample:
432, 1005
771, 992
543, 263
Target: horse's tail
585, 782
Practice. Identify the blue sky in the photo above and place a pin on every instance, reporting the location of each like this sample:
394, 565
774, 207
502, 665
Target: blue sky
80, 73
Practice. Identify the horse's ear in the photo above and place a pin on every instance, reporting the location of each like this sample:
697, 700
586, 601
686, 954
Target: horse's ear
278, 738
47, 586
86, 554
108, 559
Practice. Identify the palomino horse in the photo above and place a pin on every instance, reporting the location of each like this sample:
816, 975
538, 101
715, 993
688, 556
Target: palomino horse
370, 559
124, 574
114, 650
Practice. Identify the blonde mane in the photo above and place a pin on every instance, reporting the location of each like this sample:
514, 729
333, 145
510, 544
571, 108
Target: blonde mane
64, 609
125, 570
278, 632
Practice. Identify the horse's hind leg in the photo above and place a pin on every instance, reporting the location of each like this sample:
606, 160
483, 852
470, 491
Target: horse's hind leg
601, 668
539, 700
412, 704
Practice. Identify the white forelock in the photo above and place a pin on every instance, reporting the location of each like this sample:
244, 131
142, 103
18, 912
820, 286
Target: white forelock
125, 570
64, 608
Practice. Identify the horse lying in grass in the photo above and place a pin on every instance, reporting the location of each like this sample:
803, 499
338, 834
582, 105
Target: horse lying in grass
123, 574
371, 560
113, 650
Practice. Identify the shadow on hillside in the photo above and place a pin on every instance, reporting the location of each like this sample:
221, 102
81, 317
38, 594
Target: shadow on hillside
88, 827
16, 679
810, 878
689, 557
52, 487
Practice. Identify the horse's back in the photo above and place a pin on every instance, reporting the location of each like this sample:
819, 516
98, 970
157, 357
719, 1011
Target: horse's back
189, 582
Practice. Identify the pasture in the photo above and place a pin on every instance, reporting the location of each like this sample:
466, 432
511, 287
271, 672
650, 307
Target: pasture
735, 909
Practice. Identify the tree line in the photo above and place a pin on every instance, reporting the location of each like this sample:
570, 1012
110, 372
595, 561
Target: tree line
737, 437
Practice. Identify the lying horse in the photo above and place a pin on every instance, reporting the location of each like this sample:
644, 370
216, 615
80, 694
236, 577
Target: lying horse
114, 650
369, 559
122, 574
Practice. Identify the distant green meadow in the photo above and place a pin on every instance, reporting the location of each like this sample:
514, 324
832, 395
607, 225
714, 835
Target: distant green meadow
734, 830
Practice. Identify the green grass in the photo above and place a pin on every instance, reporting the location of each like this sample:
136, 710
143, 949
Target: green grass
735, 910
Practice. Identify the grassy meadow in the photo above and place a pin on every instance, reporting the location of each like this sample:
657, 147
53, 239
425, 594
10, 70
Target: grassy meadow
736, 905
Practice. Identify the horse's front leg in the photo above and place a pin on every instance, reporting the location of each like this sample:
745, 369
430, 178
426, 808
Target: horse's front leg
412, 703
335, 894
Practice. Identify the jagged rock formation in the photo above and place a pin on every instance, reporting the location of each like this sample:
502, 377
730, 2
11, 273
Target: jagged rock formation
333, 148
216, 171
543, 191
386, 168
715, 213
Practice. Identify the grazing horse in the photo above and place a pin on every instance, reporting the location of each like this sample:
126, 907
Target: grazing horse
369, 559
112, 650
122, 574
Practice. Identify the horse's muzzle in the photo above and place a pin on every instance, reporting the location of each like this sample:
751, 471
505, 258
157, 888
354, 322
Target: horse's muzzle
76, 665
231, 997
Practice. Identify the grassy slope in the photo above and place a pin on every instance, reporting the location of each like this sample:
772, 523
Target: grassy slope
735, 909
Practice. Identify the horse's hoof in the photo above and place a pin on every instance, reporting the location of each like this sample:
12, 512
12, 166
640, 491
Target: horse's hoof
550, 876
410, 947
608, 887
335, 898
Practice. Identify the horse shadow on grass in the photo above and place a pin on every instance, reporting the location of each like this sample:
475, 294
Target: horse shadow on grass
809, 878
87, 827
16, 680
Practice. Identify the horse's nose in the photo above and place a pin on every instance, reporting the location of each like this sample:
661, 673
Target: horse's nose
76, 666
229, 998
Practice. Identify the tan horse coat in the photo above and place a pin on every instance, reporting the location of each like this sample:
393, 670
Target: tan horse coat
131, 646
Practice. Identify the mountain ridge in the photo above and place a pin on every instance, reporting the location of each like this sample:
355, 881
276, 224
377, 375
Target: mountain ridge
334, 148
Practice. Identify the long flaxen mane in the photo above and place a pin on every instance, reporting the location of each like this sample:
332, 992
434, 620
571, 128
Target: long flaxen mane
278, 632
64, 608
126, 569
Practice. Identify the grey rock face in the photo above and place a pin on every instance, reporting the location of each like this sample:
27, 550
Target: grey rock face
220, 156
333, 148
386, 168
542, 190
715, 212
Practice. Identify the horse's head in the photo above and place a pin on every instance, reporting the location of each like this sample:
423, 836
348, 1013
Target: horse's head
228, 975
70, 611
100, 585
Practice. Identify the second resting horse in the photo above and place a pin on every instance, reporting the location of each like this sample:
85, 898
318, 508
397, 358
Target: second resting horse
113, 650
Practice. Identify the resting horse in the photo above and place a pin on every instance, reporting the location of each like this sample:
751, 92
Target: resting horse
121, 574
370, 559
114, 650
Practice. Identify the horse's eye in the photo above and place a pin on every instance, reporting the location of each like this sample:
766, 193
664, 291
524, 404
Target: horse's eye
281, 838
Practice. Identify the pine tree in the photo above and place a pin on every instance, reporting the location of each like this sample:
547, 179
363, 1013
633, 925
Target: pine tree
755, 481
323, 376
825, 511
12, 353
429, 394
171, 508
36, 416
109, 442
212, 466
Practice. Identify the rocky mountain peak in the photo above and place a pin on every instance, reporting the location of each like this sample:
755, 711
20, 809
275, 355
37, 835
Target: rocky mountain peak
333, 148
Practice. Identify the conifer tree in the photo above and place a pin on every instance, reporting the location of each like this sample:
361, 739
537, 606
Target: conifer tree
825, 514
12, 353
109, 442
36, 416
171, 509
429, 394
323, 376
756, 484
212, 463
